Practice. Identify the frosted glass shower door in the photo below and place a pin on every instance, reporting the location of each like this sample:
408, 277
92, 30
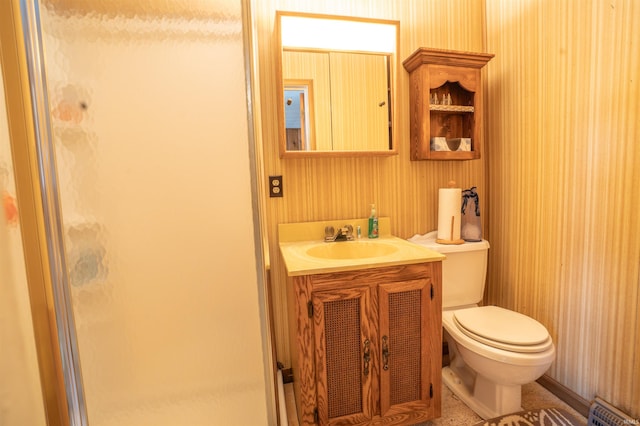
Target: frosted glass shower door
149, 126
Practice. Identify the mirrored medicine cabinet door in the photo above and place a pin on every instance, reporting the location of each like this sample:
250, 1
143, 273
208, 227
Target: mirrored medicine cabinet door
336, 85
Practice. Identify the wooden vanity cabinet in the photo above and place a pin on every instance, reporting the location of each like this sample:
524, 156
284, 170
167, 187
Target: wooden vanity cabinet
366, 345
446, 105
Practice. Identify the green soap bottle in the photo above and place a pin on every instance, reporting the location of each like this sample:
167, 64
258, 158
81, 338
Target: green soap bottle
373, 222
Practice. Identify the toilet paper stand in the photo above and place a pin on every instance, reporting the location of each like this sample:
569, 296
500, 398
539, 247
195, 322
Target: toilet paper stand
449, 225
451, 239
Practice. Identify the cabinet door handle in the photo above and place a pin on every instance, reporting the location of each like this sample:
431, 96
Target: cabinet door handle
385, 353
367, 356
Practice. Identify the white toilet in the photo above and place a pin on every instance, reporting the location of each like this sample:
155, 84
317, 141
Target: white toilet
492, 351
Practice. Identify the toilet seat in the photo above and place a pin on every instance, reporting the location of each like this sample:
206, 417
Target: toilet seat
503, 329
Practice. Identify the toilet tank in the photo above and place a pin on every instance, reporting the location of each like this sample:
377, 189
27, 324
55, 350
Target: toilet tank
464, 271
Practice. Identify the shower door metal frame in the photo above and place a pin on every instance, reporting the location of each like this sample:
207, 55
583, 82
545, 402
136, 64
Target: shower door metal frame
17, 20
51, 210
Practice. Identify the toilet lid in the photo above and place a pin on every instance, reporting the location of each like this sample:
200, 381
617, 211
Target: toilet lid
503, 329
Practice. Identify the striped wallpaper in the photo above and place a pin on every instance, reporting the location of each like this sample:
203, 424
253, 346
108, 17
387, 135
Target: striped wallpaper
563, 129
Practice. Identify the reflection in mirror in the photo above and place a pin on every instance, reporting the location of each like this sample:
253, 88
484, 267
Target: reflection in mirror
298, 96
344, 68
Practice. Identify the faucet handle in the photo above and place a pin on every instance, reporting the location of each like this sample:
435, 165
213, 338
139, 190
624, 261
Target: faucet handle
348, 232
329, 233
348, 229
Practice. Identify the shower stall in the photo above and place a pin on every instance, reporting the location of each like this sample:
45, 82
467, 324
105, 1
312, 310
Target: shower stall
145, 210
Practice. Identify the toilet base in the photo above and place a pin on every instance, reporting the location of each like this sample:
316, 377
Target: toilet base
487, 399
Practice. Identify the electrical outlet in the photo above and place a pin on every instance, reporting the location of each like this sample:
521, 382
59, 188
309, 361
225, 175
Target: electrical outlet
275, 186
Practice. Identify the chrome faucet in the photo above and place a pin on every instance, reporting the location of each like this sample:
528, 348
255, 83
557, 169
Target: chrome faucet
342, 234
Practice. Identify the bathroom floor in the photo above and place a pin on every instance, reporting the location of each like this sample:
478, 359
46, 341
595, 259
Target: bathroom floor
455, 413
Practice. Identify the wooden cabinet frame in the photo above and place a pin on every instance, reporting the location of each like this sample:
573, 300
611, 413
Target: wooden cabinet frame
370, 314
441, 72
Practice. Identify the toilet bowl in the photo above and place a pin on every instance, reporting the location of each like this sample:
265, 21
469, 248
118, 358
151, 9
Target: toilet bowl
486, 372
492, 351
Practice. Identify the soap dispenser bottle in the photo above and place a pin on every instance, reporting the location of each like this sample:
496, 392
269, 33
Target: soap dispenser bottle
373, 222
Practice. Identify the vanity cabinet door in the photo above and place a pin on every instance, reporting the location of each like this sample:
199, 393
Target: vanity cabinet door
410, 338
344, 355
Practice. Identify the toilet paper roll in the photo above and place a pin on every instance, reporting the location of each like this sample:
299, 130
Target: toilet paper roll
449, 202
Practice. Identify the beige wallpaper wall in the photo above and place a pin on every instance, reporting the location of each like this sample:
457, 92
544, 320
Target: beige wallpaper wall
563, 180
558, 180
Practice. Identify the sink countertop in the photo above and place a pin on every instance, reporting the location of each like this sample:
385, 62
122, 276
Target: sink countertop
296, 239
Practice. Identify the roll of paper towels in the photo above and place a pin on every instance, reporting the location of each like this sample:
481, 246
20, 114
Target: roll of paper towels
449, 205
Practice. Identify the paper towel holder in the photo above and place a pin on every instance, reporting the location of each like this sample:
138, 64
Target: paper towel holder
451, 240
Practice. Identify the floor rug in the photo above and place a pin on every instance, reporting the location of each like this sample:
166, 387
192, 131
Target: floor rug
541, 417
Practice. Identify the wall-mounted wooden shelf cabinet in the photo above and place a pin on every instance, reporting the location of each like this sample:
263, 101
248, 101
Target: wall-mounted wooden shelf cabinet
446, 104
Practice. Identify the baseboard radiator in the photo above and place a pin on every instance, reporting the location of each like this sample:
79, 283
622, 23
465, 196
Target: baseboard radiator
601, 413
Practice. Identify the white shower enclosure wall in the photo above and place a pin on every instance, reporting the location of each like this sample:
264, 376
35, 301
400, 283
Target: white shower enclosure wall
148, 122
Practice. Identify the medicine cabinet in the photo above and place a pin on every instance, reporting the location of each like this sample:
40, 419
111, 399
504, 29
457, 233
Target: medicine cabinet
336, 85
